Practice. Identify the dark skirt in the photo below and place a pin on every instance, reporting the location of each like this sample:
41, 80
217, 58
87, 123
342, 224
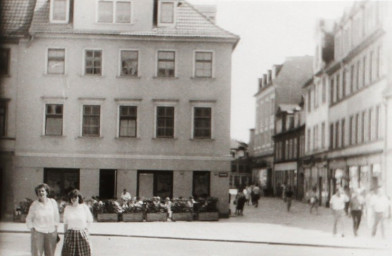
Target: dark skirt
76, 242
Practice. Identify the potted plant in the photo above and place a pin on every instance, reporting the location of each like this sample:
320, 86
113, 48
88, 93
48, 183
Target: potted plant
22, 210
207, 210
107, 210
133, 212
181, 210
155, 210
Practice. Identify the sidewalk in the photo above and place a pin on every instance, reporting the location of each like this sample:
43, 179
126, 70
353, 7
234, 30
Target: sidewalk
268, 224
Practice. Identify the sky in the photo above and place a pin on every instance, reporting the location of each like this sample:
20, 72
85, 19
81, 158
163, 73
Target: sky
270, 31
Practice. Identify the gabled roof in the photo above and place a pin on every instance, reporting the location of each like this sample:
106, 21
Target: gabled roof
15, 17
190, 23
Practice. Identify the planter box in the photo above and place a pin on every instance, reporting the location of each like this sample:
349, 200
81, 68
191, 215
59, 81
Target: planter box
156, 216
133, 217
107, 217
182, 216
20, 218
208, 216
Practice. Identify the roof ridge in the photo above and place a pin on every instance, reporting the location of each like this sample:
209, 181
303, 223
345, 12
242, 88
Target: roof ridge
209, 20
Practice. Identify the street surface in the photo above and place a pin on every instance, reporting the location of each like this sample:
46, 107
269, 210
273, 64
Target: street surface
267, 230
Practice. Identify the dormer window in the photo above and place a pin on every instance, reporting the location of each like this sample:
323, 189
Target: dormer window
114, 11
166, 13
59, 11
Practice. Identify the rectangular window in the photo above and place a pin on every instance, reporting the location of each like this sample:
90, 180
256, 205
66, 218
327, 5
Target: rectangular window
3, 117
166, 63
337, 131
129, 63
324, 88
56, 61
59, 11
352, 76
93, 62
331, 139
203, 64
357, 134
377, 123
364, 82
165, 122
332, 96
295, 145
202, 123
370, 133
61, 181
371, 66
114, 11
323, 135
54, 119
343, 130
344, 83
128, 121
363, 127
338, 88
91, 120
286, 150
358, 76
201, 184
309, 101
352, 131
4, 61
167, 13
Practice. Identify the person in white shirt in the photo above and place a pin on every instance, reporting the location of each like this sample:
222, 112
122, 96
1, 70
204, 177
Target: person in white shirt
380, 207
337, 204
77, 217
43, 219
125, 197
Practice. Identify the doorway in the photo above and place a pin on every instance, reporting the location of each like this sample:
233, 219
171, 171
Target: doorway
155, 183
107, 183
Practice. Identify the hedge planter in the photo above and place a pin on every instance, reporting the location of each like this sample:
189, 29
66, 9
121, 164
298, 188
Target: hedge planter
208, 216
156, 216
107, 217
182, 216
20, 218
133, 217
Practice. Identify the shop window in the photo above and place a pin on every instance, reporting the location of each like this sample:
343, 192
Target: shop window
201, 184
61, 181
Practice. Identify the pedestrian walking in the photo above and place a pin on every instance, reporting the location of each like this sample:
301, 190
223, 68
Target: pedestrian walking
380, 206
289, 197
256, 195
356, 207
250, 193
313, 199
240, 203
247, 195
43, 219
77, 217
347, 204
337, 204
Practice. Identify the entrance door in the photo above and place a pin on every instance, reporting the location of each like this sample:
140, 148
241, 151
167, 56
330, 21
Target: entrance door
107, 184
155, 183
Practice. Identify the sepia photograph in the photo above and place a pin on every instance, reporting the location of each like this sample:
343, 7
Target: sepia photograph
195, 127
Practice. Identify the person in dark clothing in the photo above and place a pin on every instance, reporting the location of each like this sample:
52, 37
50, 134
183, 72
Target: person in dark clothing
240, 201
289, 197
356, 207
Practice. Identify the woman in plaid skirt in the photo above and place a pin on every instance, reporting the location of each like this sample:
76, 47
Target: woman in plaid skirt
77, 217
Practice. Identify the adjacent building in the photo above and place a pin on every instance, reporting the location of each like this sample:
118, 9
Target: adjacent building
119, 94
241, 173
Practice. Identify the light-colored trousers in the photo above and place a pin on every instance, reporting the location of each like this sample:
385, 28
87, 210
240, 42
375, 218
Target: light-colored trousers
43, 243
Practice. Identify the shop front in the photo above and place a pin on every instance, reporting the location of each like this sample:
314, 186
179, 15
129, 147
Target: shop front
285, 174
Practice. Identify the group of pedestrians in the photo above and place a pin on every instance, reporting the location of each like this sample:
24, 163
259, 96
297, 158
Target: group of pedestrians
43, 220
249, 195
376, 205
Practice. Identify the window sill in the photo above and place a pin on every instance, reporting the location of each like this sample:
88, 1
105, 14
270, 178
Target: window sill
165, 138
89, 137
165, 77
126, 138
92, 76
202, 78
202, 139
128, 77
54, 75
52, 136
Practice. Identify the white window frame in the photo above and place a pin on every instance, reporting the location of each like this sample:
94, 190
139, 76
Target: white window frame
166, 24
120, 63
114, 11
53, 100
52, 20
165, 103
157, 63
128, 103
91, 101
212, 64
203, 104
47, 61
84, 62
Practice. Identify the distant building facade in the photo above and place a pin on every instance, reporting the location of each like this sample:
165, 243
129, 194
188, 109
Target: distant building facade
119, 94
241, 172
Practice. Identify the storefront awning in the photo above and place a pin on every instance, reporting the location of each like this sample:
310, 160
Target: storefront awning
286, 166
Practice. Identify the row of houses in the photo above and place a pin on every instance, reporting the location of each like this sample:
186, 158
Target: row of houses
103, 95
325, 121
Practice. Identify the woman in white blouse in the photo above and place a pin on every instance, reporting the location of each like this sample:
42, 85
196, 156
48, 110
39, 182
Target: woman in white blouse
77, 217
43, 219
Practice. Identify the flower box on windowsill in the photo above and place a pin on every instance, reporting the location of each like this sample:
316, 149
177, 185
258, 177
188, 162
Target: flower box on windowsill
156, 216
107, 217
133, 217
182, 216
208, 216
